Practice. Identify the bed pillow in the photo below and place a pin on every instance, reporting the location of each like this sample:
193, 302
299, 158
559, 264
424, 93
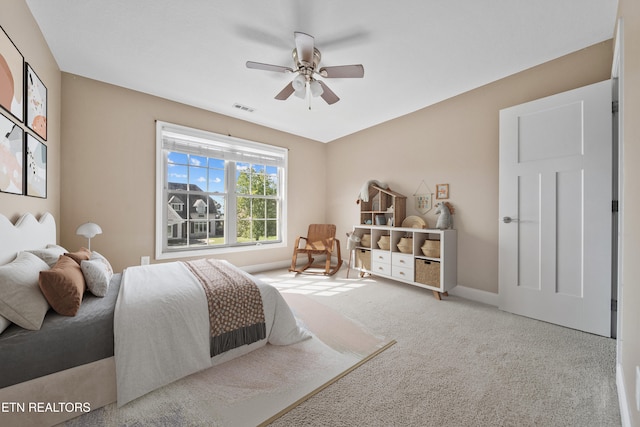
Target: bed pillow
63, 286
79, 255
95, 255
50, 254
97, 273
4, 323
21, 301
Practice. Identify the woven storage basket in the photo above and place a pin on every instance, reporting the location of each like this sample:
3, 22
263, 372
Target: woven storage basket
428, 272
431, 248
365, 241
384, 243
363, 259
405, 245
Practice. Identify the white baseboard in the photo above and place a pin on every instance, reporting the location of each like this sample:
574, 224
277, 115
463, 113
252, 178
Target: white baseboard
476, 295
258, 268
461, 291
625, 416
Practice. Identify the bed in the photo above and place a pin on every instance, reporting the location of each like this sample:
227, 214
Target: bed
119, 346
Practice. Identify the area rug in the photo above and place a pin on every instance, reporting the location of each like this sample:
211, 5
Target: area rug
255, 389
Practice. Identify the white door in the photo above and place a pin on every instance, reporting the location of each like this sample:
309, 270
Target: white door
555, 209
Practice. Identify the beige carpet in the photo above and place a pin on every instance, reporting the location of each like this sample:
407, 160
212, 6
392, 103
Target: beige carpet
256, 388
456, 363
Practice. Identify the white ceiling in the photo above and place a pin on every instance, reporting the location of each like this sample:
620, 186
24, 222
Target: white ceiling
415, 52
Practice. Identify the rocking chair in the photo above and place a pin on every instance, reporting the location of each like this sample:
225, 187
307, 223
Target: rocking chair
320, 239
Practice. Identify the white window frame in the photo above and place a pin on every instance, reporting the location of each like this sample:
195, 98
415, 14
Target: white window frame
235, 149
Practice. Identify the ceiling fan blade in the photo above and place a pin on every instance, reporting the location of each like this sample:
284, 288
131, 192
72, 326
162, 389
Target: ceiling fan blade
343, 71
286, 92
327, 94
268, 67
304, 46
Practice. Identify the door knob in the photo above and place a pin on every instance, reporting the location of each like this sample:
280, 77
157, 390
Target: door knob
508, 219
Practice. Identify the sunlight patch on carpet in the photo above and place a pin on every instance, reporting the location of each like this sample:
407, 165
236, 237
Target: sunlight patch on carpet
290, 283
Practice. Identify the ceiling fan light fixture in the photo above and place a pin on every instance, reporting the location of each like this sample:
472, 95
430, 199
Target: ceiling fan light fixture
299, 83
316, 88
301, 93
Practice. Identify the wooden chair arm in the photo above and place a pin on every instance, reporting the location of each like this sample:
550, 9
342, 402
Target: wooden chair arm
297, 244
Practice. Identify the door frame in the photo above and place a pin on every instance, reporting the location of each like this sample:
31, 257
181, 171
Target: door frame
617, 76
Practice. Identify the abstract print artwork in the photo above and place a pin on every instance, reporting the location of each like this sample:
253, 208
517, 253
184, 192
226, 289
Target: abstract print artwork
11, 77
36, 164
36, 104
11, 156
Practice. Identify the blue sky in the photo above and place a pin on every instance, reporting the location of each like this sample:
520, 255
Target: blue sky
206, 173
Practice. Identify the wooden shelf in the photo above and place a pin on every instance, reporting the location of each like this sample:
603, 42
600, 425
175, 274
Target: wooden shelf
390, 206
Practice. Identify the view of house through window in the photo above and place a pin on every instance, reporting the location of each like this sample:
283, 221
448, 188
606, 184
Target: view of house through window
217, 191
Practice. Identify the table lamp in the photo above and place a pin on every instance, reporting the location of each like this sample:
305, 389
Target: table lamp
89, 230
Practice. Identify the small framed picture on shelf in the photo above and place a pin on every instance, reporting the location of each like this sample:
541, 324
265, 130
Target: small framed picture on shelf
442, 191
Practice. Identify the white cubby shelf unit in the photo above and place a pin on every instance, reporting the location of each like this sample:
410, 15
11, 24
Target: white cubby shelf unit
437, 272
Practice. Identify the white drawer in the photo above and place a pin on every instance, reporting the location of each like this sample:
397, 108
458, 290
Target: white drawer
403, 273
381, 268
402, 260
381, 257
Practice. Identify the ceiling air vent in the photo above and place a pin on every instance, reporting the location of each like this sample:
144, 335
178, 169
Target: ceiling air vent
244, 108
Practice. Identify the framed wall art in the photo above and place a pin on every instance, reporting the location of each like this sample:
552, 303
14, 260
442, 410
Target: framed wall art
11, 157
36, 165
442, 191
11, 77
36, 119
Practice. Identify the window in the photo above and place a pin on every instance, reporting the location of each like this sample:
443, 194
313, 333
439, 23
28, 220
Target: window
216, 193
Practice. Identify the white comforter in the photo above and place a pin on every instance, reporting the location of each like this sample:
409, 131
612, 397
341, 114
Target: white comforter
161, 328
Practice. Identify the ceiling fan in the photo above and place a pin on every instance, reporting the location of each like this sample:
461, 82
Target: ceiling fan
306, 59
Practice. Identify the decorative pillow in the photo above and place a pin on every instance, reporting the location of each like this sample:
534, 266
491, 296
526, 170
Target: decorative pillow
96, 255
4, 323
97, 273
21, 302
50, 254
63, 286
80, 255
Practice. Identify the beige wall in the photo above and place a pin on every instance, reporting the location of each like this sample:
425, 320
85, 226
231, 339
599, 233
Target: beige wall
454, 142
629, 11
108, 159
17, 22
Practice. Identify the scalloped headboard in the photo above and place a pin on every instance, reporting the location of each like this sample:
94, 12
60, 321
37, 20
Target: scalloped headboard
27, 233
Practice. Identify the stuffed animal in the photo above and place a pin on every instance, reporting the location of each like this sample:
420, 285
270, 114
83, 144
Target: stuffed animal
445, 221
352, 241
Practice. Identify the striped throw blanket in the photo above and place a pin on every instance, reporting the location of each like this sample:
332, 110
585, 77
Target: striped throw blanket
236, 313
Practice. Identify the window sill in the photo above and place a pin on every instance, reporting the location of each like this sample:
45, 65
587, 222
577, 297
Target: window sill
218, 251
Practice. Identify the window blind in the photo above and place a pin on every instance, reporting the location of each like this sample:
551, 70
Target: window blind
209, 144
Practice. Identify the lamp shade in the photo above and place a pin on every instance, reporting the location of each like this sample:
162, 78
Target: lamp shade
316, 88
299, 82
89, 230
